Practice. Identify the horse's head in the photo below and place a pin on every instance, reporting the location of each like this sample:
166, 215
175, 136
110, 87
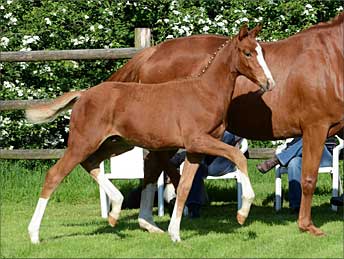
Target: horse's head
250, 59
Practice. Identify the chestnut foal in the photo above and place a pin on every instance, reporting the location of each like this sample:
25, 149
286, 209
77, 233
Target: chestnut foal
190, 114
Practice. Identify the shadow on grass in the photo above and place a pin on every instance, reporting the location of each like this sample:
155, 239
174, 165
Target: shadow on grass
219, 218
105, 229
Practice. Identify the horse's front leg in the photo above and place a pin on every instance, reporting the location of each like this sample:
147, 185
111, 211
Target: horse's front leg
191, 165
155, 162
313, 145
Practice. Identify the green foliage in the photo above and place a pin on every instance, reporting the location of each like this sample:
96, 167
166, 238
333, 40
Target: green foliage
69, 24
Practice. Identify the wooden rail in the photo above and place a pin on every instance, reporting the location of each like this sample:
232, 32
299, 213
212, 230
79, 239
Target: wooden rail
254, 153
142, 40
49, 55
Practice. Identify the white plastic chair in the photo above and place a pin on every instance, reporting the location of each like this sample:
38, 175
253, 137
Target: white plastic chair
232, 175
334, 171
128, 165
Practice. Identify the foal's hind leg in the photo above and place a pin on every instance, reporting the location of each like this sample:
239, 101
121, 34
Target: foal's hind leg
53, 178
108, 148
206, 144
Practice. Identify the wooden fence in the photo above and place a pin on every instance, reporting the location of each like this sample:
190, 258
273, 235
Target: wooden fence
142, 40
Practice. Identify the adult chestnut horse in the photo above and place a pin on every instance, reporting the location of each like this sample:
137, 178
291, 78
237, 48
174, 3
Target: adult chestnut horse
308, 99
189, 113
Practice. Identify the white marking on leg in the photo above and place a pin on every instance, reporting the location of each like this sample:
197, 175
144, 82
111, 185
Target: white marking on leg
146, 206
35, 222
114, 194
169, 192
263, 64
174, 226
247, 195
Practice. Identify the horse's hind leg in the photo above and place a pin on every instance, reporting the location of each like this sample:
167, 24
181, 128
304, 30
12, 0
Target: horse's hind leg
53, 178
155, 162
91, 164
206, 144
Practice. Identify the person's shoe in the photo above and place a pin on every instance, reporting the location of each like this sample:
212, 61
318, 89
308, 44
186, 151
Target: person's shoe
337, 201
194, 210
170, 206
267, 165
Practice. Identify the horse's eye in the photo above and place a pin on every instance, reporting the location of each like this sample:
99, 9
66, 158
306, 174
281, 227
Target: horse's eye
248, 53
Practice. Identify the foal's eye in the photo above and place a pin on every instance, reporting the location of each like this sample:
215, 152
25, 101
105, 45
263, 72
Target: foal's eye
248, 53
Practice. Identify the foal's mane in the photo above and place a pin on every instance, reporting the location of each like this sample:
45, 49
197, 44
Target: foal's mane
213, 56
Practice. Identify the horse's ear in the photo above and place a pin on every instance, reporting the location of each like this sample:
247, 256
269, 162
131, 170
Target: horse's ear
243, 32
255, 31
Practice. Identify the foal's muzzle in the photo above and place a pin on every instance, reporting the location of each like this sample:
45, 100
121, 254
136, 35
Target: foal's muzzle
268, 85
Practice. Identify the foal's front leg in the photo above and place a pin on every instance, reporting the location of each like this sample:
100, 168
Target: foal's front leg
191, 165
207, 144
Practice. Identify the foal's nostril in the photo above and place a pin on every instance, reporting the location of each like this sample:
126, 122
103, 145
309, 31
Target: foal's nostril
268, 85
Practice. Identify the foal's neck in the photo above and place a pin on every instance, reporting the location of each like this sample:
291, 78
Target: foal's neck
220, 73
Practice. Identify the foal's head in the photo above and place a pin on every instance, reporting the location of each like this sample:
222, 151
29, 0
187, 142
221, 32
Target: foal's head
250, 61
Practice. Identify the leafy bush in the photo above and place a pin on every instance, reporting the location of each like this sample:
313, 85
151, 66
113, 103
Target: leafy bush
68, 24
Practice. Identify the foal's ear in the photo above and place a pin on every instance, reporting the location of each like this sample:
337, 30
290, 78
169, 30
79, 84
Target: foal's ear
255, 31
243, 32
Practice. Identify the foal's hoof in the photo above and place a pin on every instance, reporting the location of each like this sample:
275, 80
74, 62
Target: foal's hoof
175, 238
34, 237
173, 231
312, 230
149, 226
112, 221
241, 219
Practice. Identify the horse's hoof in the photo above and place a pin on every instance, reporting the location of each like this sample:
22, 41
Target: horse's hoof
241, 219
112, 221
312, 230
149, 226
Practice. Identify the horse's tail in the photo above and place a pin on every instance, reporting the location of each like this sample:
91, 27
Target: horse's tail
130, 71
48, 112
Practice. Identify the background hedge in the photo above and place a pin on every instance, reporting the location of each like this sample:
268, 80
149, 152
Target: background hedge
71, 24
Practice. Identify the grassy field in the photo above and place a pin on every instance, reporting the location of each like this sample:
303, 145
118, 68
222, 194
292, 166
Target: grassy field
72, 226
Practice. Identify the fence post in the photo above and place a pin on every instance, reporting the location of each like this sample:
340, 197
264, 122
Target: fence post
142, 37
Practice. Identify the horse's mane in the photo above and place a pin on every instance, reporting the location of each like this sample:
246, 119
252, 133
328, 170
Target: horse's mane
337, 20
129, 72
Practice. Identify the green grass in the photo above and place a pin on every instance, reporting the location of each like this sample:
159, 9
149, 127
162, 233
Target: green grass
72, 226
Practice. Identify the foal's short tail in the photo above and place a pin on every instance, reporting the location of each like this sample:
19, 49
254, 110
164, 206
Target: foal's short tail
48, 112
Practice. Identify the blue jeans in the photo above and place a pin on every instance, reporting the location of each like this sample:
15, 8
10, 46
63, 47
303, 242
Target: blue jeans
291, 157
